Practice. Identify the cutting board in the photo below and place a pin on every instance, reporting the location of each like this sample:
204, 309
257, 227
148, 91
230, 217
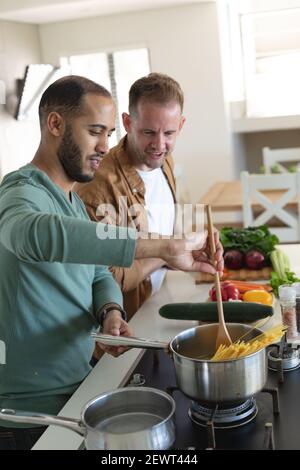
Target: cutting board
239, 274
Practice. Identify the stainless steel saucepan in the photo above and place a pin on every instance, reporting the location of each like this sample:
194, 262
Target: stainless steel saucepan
228, 381
125, 419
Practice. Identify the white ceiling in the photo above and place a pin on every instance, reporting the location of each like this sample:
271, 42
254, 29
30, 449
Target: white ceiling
52, 11
48, 11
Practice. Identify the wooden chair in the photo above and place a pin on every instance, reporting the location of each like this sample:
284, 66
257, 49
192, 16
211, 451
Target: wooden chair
273, 157
277, 196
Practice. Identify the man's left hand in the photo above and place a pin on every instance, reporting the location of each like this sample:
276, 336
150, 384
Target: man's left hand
116, 326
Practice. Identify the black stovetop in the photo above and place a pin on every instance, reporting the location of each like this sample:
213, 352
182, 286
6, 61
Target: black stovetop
286, 424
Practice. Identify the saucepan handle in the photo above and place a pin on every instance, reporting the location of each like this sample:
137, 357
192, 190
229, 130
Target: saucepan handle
129, 341
76, 425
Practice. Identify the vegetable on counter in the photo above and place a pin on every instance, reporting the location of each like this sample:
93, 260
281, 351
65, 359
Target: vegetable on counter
258, 295
250, 247
247, 291
228, 292
282, 273
207, 311
234, 259
244, 286
254, 259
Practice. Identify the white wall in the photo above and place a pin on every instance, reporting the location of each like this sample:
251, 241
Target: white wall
19, 46
184, 43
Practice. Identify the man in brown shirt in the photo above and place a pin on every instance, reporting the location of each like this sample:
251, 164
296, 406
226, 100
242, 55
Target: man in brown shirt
138, 172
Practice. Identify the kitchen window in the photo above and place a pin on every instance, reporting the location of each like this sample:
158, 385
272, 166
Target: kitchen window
271, 45
116, 71
265, 58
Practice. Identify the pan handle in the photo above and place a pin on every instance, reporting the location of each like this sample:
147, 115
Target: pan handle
129, 341
39, 418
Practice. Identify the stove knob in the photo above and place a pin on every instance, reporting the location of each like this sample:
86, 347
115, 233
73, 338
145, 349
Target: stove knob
137, 380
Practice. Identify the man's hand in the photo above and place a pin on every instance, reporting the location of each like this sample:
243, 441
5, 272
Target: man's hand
115, 325
194, 254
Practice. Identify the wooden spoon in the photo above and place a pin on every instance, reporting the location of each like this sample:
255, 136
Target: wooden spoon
222, 335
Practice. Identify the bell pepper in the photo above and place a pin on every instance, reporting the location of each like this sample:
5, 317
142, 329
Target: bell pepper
228, 292
258, 296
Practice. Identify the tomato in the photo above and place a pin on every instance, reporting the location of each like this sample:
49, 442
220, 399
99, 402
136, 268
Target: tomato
228, 292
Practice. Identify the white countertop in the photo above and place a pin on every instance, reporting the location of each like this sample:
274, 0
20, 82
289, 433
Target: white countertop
111, 373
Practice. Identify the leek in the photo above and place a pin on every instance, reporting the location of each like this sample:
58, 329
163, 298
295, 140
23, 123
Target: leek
281, 273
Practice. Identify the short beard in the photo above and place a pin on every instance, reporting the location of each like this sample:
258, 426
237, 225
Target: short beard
70, 156
140, 158
145, 160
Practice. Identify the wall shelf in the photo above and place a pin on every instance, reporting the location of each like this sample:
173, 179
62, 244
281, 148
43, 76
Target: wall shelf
275, 123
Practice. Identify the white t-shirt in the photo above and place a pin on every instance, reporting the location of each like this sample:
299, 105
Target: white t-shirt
159, 203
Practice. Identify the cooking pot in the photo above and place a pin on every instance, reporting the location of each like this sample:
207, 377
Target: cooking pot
205, 381
125, 419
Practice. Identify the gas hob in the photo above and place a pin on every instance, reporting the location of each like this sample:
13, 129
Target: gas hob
269, 428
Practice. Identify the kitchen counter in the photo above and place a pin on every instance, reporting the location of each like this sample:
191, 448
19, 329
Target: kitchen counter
111, 373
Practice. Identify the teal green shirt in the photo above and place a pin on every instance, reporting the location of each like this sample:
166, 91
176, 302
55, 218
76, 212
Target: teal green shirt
51, 285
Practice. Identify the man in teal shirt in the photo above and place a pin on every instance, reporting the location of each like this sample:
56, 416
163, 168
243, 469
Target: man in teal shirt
54, 289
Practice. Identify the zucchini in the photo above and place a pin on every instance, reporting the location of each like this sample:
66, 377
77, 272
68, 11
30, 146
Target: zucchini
207, 311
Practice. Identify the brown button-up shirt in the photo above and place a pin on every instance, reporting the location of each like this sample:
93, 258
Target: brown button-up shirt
115, 179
